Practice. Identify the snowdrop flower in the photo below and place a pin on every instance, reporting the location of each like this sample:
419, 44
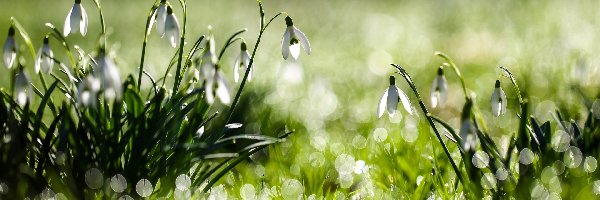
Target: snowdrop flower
160, 15
107, 72
291, 39
191, 77
10, 48
498, 100
439, 90
467, 129
76, 20
22, 88
171, 27
209, 58
242, 61
87, 91
217, 85
390, 99
44, 58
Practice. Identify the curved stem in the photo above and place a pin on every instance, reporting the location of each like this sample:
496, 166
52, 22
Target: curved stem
429, 119
514, 82
63, 41
146, 33
102, 26
456, 71
230, 41
181, 42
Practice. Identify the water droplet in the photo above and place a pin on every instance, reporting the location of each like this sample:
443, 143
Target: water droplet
359, 142
360, 167
526, 156
183, 182
185, 194
94, 178
47, 194
380, 134
344, 164
596, 187
316, 159
292, 189
337, 148
247, 192
118, 183
419, 179
559, 166
60, 196
480, 159
501, 174
3, 188
411, 132
560, 141
125, 197
547, 174
554, 185
572, 157
233, 125
596, 108
590, 164
346, 180
259, 170
538, 190
488, 181
144, 188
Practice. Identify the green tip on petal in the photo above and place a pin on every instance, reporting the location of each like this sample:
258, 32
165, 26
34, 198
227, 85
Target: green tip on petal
11, 31
392, 80
163, 1
243, 46
497, 85
77, 1
288, 21
440, 71
169, 10
46, 40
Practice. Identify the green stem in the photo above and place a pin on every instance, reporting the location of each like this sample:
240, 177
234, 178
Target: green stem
102, 26
429, 119
514, 82
181, 42
230, 41
456, 71
146, 33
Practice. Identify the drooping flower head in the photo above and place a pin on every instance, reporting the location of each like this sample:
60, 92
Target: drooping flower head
439, 90
217, 86
498, 100
23, 90
466, 134
10, 48
390, 99
87, 91
292, 38
44, 57
242, 61
107, 72
171, 27
209, 57
159, 16
76, 20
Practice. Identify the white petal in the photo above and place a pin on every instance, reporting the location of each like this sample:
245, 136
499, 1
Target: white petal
392, 100
161, 16
433, 98
405, 101
503, 98
152, 20
303, 40
210, 98
75, 19
285, 43
46, 59
22, 88
495, 102
212, 49
382, 104
236, 68
246, 59
250, 74
223, 89
295, 51
38, 61
67, 24
83, 23
9, 53
465, 129
172, 30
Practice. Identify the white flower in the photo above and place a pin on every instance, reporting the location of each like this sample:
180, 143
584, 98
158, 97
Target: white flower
44, 58
87, 91
76, 20
498, 100
191, 77
242, 61
291, 38
209, 59
22, 88
171, 27
218, 86
107, 72
439, 90
10, 48
390, 99
466, 135
160, 15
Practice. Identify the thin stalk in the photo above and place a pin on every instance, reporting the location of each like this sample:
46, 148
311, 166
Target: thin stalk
456, 71
146, 33
102, 26
429, 119
230, 41
181, 42
515, 85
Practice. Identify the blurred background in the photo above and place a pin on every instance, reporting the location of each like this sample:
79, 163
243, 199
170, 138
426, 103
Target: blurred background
330, 97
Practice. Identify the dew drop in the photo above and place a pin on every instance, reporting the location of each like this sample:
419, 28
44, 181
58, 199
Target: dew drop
538, 190
560, 141
94, 178
60, 196
380, 134
186, 194
247, 192
183, 182
547, 174
344, 164
596, 188
316, 159
596, 108
47, 194
526, 156
144, 188
360, 167
559, 166
118, 183
488, 181
233, 126
480, 159
292, 189
572, 157
419, 179
259, 170
359, 142
346, 180
554, 185
3, 188
501, 174
125, 197
590, 164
